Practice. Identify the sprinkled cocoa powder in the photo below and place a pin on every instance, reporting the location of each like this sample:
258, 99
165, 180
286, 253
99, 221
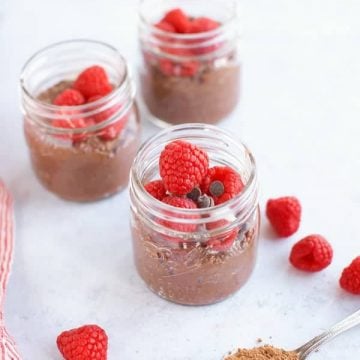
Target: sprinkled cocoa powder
263, 353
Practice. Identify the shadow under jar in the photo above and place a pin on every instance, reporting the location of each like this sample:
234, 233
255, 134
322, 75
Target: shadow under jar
186, 267
190, 77
80, 153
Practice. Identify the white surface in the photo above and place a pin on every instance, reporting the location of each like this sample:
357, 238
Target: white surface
299, 114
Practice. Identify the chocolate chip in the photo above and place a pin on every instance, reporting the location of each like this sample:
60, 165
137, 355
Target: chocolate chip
205, 201
194, 194
216, 188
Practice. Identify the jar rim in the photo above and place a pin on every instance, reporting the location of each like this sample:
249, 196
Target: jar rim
193, 36
207, 214
119, 90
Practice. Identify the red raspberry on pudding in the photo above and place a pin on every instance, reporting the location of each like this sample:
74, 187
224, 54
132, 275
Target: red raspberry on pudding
203, 24
182, 166
224, 241
312, 253
84, 343
350, 277
165, 26
222, 183
77, 123
178, 19
112, 131
284, 215
156, 189
69, 97
183, 203
93, 81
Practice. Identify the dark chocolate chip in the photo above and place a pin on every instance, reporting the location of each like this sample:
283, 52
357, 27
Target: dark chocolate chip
205, 201
216, 188
194, 194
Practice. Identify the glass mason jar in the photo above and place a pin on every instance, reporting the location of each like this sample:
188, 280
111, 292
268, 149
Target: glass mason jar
187, 78
80, 153
216, 258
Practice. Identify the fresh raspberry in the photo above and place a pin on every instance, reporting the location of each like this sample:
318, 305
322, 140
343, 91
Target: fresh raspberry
284, 215
312, 253
222, 183
167, 67
223, 241
85, 343
179, 202
178, 19
184, 68
350, 277
203, 24
165, 26
189, 68
93, 81
184, 203
112, 131
79, 123
156, 189
69, 97
182, 166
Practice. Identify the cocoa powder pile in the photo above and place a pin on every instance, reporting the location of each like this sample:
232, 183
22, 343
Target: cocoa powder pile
263, 353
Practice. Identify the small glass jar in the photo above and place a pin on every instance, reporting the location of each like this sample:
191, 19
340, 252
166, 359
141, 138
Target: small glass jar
80, 153
216, 258
187, 78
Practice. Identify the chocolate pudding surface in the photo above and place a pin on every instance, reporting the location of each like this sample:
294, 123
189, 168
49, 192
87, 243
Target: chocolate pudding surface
84, 170
192, 273
207, 97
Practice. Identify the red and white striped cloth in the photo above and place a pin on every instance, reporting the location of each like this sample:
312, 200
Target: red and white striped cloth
7, 345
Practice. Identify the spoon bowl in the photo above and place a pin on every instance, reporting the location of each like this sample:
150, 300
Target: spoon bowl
351, 321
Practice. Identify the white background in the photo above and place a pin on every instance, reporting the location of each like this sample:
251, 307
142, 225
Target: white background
299, 113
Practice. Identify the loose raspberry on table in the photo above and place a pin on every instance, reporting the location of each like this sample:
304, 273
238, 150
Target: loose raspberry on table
284, 215
312, 253
350, 277
182, 166
112, 131
93, 81
84, 343
183, 203
223, 241
222, 183
69, 97
156, 189
178, 19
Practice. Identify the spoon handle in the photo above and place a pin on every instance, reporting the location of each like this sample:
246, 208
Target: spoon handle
344, 325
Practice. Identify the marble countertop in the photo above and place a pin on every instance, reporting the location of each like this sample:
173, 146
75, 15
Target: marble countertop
299, 113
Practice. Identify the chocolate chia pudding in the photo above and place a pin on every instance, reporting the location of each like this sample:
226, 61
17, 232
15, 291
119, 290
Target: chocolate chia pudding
191, 273
207, 97
191, 68
86, 168
194, 214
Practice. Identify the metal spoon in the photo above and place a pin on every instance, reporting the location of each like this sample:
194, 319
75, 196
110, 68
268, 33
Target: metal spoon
344, 325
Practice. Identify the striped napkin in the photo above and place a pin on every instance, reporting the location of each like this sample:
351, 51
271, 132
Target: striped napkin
7, 345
